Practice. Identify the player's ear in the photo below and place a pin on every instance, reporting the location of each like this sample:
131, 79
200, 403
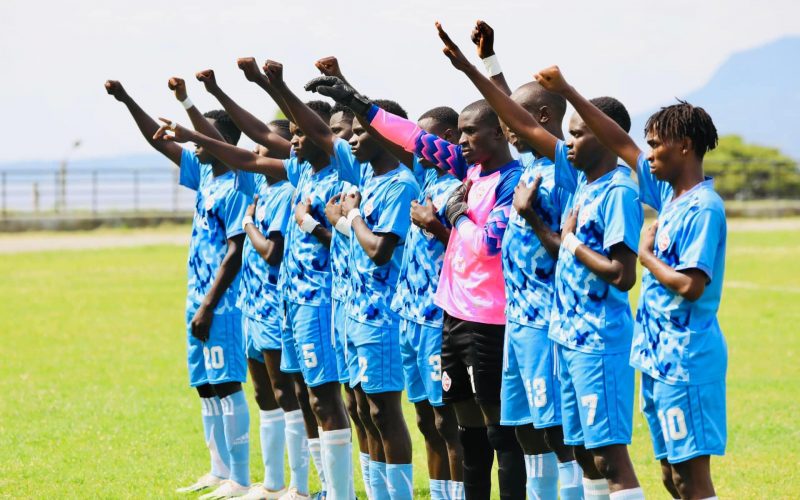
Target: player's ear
686, 146
451, 136
544, 114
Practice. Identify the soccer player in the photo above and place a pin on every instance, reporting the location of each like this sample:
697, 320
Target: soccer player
379, 227
470, 291
420, 318
677, 345
306, 282
216, 361
530, 391
596, 267
281, 417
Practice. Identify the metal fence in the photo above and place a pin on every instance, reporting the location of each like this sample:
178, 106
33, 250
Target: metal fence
92, 192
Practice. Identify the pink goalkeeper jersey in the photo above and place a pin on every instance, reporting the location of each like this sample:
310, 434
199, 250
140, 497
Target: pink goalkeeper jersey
471, 285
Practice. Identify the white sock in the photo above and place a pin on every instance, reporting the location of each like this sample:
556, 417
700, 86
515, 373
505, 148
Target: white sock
315, 450
595, 489
629, 494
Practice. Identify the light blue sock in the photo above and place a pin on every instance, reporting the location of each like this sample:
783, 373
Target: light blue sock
570, 482
273, 440
438, 489
297, 450
315, 450
337, 456
377, 480
456, 490
214, 432
400, 479
595, 489
363, 459
542, 476
236, 417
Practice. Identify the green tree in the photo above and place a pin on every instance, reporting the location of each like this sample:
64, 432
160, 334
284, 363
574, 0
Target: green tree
751, 171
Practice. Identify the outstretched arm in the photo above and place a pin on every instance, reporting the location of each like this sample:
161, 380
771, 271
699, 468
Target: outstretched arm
229, 154
258, 131
199, 122
304, 117
512, 114
147, 126
483, 37
606, 129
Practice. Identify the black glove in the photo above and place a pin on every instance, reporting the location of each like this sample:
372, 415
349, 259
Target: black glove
340, 92
457, 203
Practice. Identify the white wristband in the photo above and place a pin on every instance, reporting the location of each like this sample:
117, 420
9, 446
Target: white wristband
187, 103
343, 226
492, 65
352, 214
571, 243
247, 220
308, 224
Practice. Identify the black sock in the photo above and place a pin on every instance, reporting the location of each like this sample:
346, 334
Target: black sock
478, 458
510, 461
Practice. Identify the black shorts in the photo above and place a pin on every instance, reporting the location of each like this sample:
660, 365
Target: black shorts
472, 360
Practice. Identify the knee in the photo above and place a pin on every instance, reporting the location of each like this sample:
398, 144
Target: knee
680, 483
284, 394
379, 414
427, 427
352, 410
666, 477
502, 437
263, 399
607, 468
447, 428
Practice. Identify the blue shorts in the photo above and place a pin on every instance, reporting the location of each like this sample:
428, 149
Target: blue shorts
310, 327
221, 358
261, 335
373, 357
421, 351
686, 421
596, 398
290, 362
338, 334
530, 392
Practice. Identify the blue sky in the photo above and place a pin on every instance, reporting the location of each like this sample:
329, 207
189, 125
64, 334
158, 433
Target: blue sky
55, 56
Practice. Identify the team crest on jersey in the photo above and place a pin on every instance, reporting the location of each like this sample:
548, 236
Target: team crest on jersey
368, 208
583, 215
440, 201
663, 241
261, 212
459, 264
446, 382
209, 202
480, 190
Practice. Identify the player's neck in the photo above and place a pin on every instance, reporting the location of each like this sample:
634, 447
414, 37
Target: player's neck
497, 160
384, 163
218, 168
686, 180
319, 163
603, 166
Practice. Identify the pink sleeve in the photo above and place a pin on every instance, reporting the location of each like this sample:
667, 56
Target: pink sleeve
399, 130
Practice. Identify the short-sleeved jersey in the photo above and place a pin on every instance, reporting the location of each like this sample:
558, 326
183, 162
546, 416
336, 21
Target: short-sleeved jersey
424, 255
259, 295
589, 314
676, 340
528, 269
218, 214
385, 207
306, 272
340, 258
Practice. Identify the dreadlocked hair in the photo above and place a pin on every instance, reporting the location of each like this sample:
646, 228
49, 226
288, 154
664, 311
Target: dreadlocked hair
673, 123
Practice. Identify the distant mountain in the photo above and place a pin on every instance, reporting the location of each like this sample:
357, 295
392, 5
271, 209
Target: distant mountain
138, 161
755, 94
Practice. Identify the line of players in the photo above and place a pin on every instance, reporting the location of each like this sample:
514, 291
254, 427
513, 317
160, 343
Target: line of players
500, 304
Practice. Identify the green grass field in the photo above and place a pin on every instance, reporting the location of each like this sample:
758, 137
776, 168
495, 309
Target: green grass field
95, 401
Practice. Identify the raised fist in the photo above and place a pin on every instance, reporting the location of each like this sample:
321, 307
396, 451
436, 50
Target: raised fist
552, 79
249, 67
207, 78
483, 37
178, 86
113, 87
274, 71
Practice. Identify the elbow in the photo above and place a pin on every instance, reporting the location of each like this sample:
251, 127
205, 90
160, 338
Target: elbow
380, 258
691, 291
624, 281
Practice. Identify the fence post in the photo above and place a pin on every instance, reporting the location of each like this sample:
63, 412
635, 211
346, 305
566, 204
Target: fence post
5, 212
135, 190
94, 192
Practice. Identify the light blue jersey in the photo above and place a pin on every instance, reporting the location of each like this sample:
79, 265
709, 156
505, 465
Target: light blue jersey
385, 205
424, 256
678, 341
306, 271
590, 314
218, 214
528, 268
259, 295
340, 258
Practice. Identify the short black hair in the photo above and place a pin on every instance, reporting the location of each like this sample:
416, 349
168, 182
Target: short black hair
615, 110
484, 111
322, 108
281, 128
391, 106
445, 115
533, 96
346, 112
673, 123
224, 125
